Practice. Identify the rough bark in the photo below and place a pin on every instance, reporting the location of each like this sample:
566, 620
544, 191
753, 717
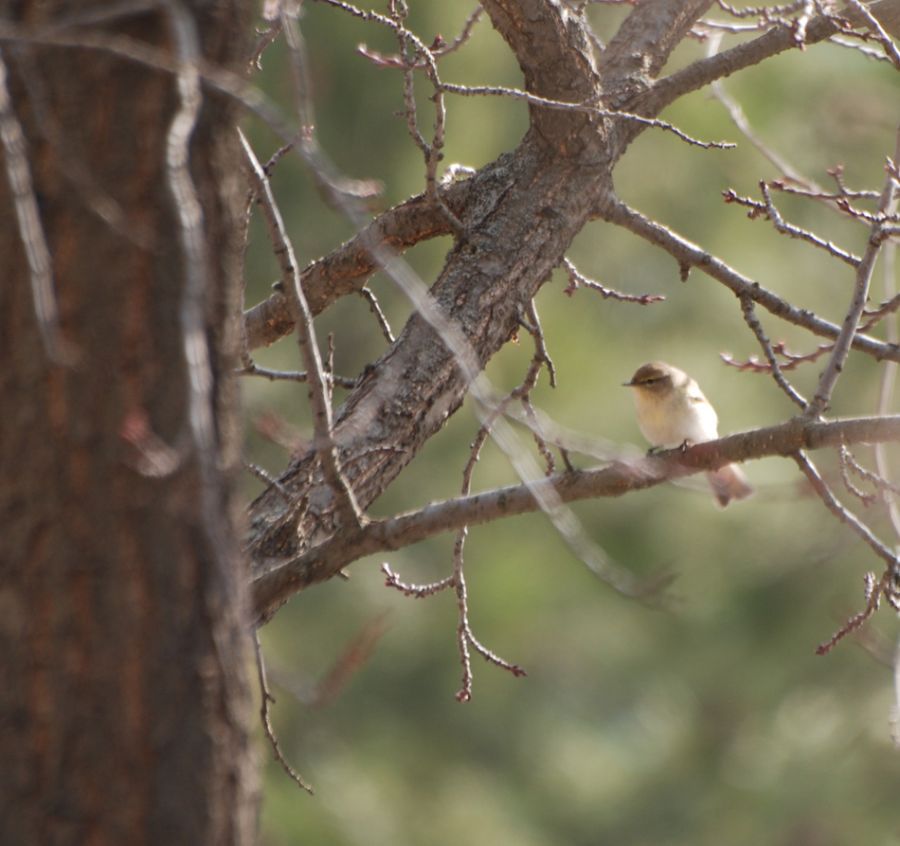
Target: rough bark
521, 214
124, 707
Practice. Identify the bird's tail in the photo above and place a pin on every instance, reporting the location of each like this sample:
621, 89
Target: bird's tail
728, 483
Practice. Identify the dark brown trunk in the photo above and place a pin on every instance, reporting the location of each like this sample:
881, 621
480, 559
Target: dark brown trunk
124, 697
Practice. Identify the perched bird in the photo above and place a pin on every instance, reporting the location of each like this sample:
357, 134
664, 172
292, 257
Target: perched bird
672, 411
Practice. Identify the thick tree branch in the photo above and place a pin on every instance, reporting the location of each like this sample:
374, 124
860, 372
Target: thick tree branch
345, 270
775, 41
537, 198
277, 581
644, 42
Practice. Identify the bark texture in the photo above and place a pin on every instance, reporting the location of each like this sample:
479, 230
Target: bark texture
124, 703
520, 213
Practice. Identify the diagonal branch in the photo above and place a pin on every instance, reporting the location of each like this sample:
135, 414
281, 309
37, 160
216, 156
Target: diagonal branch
276, 581
319, 387
775, 41
688, 255
31, 232
849, 327
345, 269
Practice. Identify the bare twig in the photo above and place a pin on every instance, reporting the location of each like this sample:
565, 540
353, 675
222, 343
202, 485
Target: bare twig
392, 580
874, 591
464, 35
849, 464
791, 360
316, 379
369, 296
464, 636
850, 325
587, 108
772, 42
889, 373
843, 514
265, 698
31, 231
579, 280
736, 113
769, 210
752, 321
253, 369
345, 270
690, 255
189, 214
269, 479
266, 38
876, 480
885, 40
532, 323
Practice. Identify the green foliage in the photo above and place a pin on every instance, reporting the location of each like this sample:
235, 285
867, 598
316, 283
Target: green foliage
710, 721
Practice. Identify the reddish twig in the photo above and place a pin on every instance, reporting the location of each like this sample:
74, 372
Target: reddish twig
579, 280
874, 591
769, 210
792, 360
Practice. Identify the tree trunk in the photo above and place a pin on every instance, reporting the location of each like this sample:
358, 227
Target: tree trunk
124, 700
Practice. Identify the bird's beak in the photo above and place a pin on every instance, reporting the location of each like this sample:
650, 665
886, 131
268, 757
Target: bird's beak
628, 384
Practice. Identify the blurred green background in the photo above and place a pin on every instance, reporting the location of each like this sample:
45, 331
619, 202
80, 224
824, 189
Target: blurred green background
707, 723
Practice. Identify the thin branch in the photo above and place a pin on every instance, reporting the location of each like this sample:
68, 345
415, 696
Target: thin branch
269, 479
769, 210
690, 255
392, 580
752, 321
849, 464
739, 119
889, 374
541, 354
579, 280
266, 697
278, 580
586, 108
843, 514
791, 360
776, 40
31, 231
369, 296
253, 369
189, 215
887, 44
464, 35
266, 38
875, 590
876, 480
316, 380
850, 325
464, 636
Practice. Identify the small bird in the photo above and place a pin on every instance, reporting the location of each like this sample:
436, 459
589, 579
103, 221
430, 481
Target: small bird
672, 412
